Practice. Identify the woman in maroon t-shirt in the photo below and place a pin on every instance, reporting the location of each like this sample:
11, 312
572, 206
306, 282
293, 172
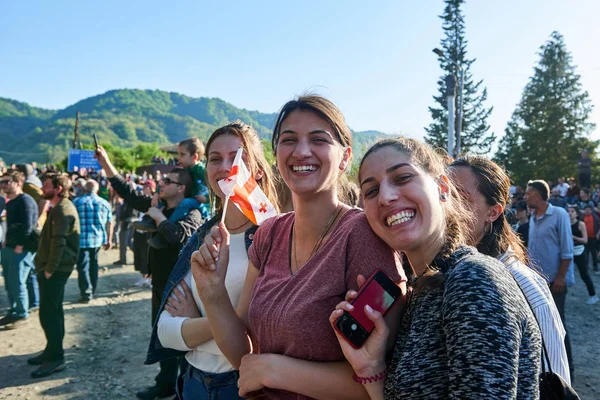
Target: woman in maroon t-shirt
301, 265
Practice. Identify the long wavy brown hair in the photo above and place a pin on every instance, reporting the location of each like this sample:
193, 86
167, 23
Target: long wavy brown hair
494, 184
457, 218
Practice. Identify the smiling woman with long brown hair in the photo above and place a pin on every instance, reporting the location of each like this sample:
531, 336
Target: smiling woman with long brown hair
301, 265
468, 332
182, 327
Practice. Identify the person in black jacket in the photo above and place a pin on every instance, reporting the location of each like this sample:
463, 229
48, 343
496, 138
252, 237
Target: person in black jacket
126, 215
174, 188
17, 252
584, 169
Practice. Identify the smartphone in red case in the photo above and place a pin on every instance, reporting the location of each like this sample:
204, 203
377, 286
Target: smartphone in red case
380, 293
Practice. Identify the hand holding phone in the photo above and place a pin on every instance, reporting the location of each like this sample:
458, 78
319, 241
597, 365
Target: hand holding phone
380, 293
96, 141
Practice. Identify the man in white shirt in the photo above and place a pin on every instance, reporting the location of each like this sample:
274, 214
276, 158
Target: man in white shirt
562, 187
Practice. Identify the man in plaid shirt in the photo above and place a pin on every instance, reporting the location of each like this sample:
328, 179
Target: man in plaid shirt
96, 231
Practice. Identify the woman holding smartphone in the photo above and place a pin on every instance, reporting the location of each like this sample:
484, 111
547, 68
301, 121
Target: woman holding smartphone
182, 326
484, 186
468, 332
301, 265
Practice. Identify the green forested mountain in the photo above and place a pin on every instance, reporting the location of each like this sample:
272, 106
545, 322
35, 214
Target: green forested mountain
124, 118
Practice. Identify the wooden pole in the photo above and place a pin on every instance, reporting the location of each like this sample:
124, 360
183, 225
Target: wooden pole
76, 133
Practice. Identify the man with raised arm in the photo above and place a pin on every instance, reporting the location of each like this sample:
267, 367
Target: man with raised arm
173, 189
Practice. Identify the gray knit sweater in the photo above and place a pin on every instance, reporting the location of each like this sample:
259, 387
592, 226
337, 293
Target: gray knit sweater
471, 337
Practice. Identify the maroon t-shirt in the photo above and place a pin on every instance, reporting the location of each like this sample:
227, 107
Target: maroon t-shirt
289, 314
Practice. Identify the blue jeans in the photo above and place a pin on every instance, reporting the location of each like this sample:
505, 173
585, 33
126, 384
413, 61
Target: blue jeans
196, 384
16, 268
5, 276
87, 271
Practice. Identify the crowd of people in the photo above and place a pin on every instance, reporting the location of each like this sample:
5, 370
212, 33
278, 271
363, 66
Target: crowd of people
581, 205
239, 310
164, 161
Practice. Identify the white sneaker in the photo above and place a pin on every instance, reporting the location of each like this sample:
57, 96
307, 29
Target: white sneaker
592, 300
140, 282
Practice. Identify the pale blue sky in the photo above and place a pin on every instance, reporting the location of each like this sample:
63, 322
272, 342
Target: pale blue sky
373, 59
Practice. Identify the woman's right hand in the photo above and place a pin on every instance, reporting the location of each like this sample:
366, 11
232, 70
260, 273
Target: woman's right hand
209, 264
369, 360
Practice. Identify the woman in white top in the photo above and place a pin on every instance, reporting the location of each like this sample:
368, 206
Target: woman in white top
182, 325
485, 186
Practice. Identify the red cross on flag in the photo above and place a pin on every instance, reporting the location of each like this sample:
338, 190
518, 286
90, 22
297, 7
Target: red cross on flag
241, 188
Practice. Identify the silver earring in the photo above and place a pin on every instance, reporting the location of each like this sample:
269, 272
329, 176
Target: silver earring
443, 196
485, 229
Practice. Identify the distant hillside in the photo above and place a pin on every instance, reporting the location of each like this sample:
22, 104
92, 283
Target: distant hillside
124, 118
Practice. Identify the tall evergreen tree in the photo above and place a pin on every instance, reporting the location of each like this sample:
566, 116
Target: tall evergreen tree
475, 137
550, 126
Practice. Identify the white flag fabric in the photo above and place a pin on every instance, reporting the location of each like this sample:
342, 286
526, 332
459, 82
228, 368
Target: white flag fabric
242, 189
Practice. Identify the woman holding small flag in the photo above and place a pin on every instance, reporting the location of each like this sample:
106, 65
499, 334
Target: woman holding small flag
233, 152
301, 265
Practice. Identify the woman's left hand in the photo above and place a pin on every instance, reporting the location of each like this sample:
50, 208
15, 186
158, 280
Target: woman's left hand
253, 371
368, 360
182, 304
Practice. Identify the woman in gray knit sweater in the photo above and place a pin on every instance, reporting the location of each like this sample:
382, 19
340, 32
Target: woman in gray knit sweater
467, 332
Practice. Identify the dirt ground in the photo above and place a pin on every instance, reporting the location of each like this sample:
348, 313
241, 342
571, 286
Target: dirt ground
106, 342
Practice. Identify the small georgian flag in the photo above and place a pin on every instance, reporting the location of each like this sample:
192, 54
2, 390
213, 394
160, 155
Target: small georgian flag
241, 188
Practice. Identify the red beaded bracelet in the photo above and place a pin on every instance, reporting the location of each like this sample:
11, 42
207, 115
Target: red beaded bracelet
380, 376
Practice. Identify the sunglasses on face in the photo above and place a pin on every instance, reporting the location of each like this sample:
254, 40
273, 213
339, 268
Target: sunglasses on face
168, 181
5, 182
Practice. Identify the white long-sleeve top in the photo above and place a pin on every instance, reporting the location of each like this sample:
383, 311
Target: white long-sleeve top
207, 357
537, 292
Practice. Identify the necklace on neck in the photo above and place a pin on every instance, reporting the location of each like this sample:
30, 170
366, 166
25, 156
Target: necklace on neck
319, 241
235, 229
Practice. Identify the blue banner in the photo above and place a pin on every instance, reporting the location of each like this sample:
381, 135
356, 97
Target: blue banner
82, 159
